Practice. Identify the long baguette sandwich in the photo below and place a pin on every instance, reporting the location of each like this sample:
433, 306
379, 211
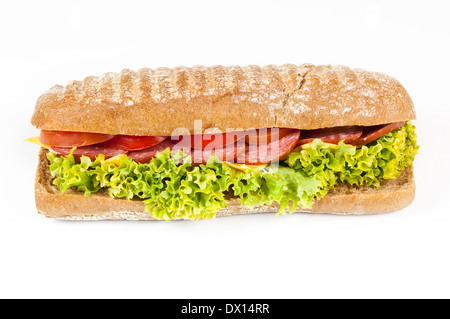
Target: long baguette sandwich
195, 143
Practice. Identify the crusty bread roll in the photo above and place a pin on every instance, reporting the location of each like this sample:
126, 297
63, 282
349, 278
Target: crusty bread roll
344, 199
156, 102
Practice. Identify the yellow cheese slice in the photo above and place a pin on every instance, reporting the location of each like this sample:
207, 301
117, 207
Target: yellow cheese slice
308, 145
246, 167
116, 160
36, 140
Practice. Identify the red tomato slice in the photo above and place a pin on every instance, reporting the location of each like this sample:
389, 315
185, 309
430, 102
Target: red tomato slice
274, 151
371, 133
331, 135
91, 151
266, 135
145, 155
210, 141
133, 143
71, 139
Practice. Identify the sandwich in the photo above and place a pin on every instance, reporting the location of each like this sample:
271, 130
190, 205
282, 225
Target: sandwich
200, 142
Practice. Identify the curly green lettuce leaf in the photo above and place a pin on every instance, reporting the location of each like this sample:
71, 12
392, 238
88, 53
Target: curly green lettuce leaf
282, 185
370, 164
172, 188
68, 173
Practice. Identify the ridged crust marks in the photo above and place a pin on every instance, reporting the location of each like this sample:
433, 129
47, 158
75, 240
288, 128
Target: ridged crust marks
156, 102
339, 96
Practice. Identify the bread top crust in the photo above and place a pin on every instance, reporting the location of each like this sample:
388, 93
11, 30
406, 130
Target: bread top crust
163, 100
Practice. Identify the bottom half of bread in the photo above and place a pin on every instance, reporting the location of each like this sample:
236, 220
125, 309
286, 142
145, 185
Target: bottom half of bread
394, 195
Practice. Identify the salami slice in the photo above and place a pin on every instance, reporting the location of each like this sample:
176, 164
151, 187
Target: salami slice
145, 155
91, 151
226, 153
371, 133
270, 152
331, 135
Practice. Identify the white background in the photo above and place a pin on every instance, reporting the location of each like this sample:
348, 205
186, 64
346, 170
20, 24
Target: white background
397, 255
